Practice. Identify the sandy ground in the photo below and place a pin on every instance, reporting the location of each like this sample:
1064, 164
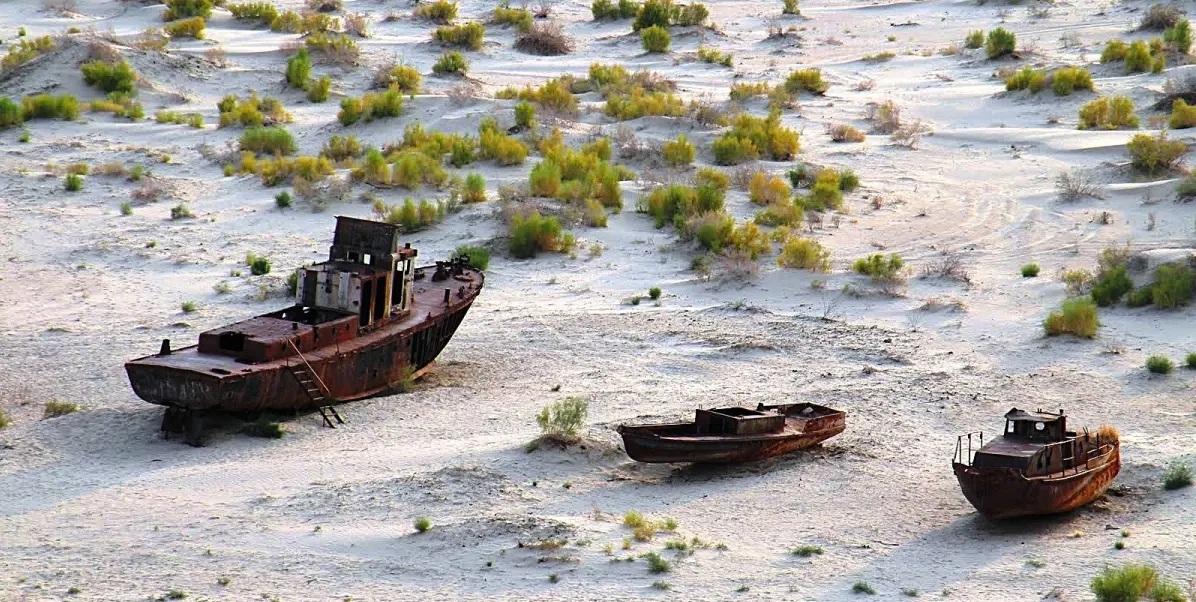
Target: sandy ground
98, 501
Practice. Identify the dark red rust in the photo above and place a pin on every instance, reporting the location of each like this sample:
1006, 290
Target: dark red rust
729, 435
1031, 471
255, 365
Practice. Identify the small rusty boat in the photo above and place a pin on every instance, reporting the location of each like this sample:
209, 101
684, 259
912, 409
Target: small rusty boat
365, 321
1036, 466
728, 435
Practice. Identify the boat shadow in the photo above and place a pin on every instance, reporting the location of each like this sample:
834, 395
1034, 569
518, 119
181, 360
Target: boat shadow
664, 474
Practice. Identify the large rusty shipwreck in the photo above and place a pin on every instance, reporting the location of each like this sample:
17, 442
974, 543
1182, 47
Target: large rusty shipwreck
1037, 466
734, 434
364, 322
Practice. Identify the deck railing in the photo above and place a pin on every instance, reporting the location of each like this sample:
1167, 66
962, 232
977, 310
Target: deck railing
965, 451
1091, 446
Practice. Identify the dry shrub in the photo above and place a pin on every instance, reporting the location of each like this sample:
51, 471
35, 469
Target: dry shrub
1074, 186
865, 85
64, 8
543, 9
545, 39
218, 56
948, 265
736, 265
845, 133
910, 134
1160, 17
460, 94
885, 116
148, 191
324, 6
357, 24
101, 51
741, 177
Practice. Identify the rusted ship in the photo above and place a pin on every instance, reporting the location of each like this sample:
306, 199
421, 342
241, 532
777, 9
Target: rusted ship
1036, 466
728, 435
364, 322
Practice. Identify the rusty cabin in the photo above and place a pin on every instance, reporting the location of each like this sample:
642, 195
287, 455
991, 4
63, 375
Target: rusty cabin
737, 421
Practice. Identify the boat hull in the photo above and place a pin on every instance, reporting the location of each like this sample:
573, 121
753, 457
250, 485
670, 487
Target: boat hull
374, 362
999, 493
644, 444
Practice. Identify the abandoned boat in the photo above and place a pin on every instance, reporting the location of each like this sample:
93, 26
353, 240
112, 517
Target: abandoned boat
1036, 466
725, 435
366, 321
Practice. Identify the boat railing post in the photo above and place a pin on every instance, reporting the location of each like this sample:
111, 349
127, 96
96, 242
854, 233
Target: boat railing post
969, 449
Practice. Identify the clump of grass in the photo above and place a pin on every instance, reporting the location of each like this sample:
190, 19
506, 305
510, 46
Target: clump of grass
862, 587
189, 307
713, 56
283, 200
1076, 316
440, 11
809, 80
752, 138
451, 63
264, 428
656, 563
422, 524
1108, 113
806, 550
275, 140
910, 591
73, 182
534, 233
655, 39
1000, 42
181, 9
654, 293
1125, 584
1030, 270
974, 39
110, 78
634, 519
563, 420
371, 106
1177, 476
186, 28
1150, 153
258, 266
55, 408
804, 254
469, 36
679, 152
3, 420
478, 256
1035, 563
662, 585
521, 18
1159, 364
175, 594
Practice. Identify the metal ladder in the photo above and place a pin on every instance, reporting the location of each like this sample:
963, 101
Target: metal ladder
314, 387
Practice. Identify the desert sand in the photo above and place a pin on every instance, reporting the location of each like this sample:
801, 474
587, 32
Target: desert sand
97, 500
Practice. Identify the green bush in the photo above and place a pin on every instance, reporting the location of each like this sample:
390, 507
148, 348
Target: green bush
1068, 79
714, 57
1111, 286
525, 114
1030, 270
1180, 36
10, 113
1077, 316
263, 12
754, 137
1172, 286
809, 80
688, 15
1137, 58
804, 254
404, 77
269, 140
655, 39
521, 18
319, 89
44, 106
259, 266
608, 10
652, 13
1149, 153
562, 420
1177, 476
974, 39
371, 106
1027, 78
55, 408
534, 233
440, 11
181, 9
1000, 42
109, 78
1183, 115
1158, 364
1140, 297
475, 189
453, 63
878, 266
299, 69
187, 28
339, 148
638, 104
676, 204
469, 36
1115, 50
73, 182
657, 564
422, 524
1126, 584
679, 152
1108, 113
1190, 361
3, 420
283, 200
789, 7
479, 257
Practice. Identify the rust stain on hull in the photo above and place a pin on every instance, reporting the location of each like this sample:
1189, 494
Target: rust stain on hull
1006, 493
682, 442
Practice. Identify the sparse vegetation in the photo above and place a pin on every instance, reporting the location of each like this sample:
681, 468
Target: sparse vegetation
521, 18
714, 56
534, 233
478, 256
1159, 364
422, 524
544, 39
809, 80
1150, 153
1000, 42
1177, 476
1030, 270
563, 420
371, 106
862, 587
186, 28
469, 36
439, 11
1077, 317
118, 77
73, 182
1108, 113
55, 408
267, 140
679, 152
656, 563
655, 39
450, 63
974, 39
754, 137
806, 550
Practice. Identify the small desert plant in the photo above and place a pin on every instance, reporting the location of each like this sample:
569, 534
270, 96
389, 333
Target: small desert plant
1108, 113
371, 106
1111, 286
544, 39
73, 182
1179, 37
422, 524
189, 307
469, 36
999, 42
657, 564
534, 233
1173, 286
1077, 316
713, 56
974, 39
259, 266
861, 587
267, 140
790, 7
299, 69
809, 80
845, 133
186, 28
474, 189
561, 421
109, 78
521, 18
1160, 17
654, 293
1126, 584
1027, 78
45, 106
804, 254
1137, 58
878, 266
479, 257
679, 152
318, 89
1177, 476
652, 13
806, 550
1030, 270
1149, 153
655, 39
1159, 364
450, 63
283, 200
55, 408
1066, 80
440, 11
525, 114
181, 9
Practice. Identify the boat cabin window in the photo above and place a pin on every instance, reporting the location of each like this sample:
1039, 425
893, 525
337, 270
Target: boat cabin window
232, 341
